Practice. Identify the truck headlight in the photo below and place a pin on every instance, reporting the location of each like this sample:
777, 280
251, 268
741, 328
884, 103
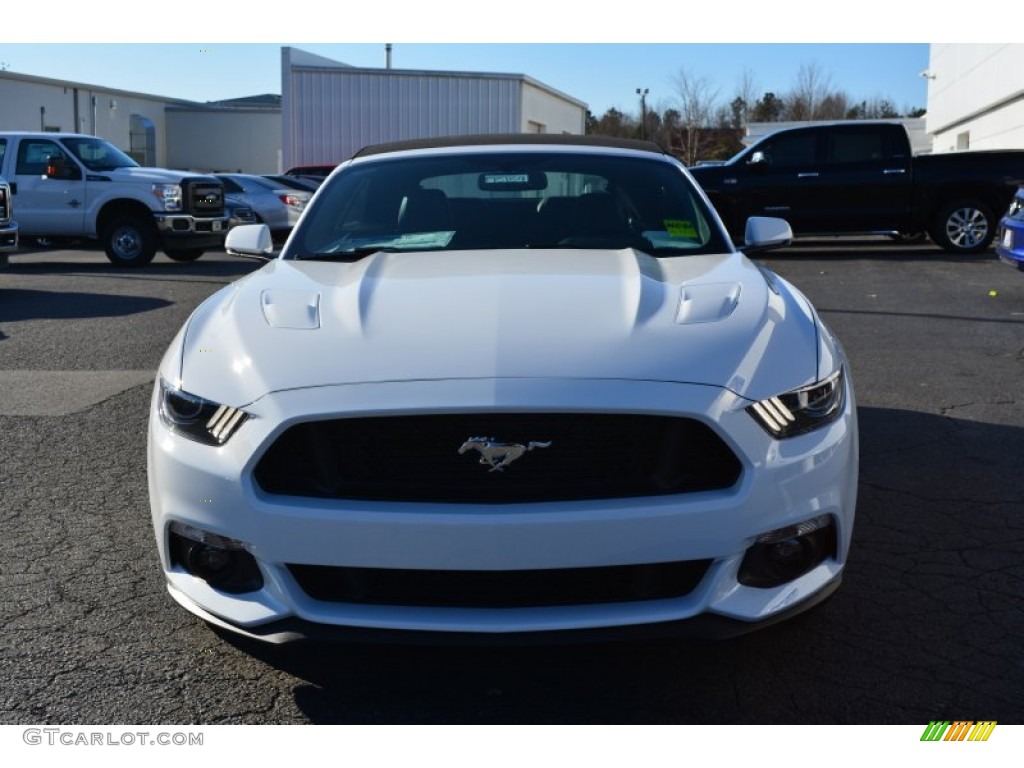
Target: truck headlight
169, 195
801, 410
196, 418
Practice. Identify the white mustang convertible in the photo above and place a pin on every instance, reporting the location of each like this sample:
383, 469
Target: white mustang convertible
504, 387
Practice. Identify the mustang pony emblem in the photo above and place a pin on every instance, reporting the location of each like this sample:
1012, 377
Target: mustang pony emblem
499, 455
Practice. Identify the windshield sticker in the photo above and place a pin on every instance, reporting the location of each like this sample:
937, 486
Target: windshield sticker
506, 178
680, 228
424, 240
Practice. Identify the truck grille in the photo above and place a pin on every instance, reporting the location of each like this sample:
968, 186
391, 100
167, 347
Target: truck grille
500, 589
203, 197
5, 204
561, 457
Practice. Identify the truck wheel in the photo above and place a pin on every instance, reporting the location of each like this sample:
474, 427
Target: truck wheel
966, 226
185, 254
130, 241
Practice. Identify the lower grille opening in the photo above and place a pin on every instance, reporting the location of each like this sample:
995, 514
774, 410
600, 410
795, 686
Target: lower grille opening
500, 589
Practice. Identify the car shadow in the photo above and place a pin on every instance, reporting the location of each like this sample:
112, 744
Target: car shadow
24, 304
845, 249
926, 625
156, 270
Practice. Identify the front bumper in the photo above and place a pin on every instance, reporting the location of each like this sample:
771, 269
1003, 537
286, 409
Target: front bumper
8, 237
782, 483
184, 231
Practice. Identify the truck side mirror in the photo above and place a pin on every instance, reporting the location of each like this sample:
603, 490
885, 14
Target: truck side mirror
57, 168
759, 160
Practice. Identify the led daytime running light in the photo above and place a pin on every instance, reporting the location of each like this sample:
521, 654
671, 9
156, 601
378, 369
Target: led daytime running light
802, 410
196, 418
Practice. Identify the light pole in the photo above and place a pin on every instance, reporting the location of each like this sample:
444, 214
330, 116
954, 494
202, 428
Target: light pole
642, 92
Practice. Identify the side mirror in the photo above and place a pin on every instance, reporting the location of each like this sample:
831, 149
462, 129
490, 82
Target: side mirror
764, 233
759, 160
57, 168
251, 241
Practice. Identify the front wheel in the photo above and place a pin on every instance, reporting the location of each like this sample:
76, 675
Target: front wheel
966, 226
185, 254
130, 241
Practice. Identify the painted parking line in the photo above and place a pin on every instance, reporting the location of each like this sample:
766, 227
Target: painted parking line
59, 393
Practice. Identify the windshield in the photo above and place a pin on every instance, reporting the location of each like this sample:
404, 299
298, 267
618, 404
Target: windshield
508, 200
98, 155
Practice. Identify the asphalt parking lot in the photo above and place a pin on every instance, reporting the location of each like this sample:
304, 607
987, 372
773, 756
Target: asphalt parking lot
926, 626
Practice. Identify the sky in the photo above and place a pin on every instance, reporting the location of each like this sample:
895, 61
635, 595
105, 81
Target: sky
599, 54
602, 75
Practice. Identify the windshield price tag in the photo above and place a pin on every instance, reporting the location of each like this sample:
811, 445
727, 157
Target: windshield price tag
680, 228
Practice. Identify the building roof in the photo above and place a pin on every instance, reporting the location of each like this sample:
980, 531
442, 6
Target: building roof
261, 100
8, 75
299, 59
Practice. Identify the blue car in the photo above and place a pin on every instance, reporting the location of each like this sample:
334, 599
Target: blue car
1010, 243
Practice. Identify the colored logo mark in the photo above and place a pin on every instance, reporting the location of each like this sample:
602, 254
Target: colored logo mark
958, 730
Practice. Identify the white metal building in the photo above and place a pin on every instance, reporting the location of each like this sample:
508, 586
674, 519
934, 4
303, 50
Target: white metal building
331, 110
132, 121
239, 135
976, 96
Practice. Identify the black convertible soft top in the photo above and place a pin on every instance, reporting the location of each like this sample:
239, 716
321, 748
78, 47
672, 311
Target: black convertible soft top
541, 139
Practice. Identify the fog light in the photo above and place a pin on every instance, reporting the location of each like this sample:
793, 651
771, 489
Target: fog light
209, 563
788, 553
221, 562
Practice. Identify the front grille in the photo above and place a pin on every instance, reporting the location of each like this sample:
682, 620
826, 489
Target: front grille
500, 589
5, 211
562, 457
203, 197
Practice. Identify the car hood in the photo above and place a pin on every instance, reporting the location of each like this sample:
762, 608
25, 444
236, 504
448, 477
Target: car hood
572, 314
147, 175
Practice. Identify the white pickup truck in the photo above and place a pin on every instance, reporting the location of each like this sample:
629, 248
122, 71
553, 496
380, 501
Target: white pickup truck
74, 185
8, 227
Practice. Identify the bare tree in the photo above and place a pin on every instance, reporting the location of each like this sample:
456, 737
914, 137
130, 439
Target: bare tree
745, 98
835, 106
669, 125
812, 87
697, 102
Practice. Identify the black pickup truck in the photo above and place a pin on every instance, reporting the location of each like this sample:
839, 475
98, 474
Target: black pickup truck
860, 177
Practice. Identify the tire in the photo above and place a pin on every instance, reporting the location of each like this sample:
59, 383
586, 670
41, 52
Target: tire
185, 254
129, 241
966, 226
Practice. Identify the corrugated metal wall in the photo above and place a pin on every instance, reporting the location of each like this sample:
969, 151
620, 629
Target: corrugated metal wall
330, 114
247, 141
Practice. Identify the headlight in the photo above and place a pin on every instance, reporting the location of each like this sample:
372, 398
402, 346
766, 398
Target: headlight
198, 419
169, 195
801, 410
